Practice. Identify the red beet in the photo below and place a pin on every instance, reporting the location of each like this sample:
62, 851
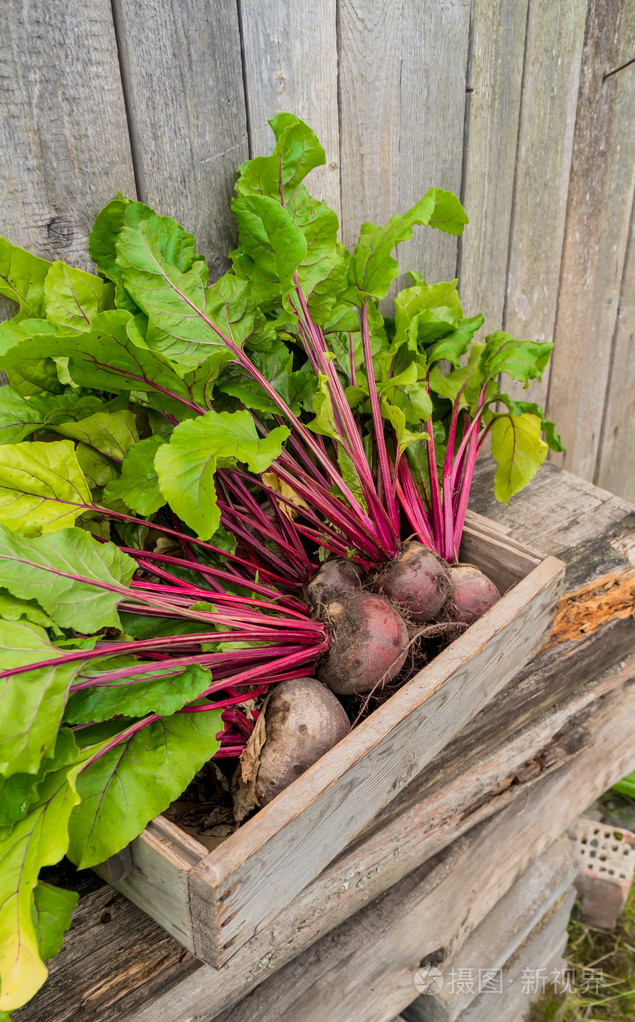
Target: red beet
335, 576
303, 720
369, 643
417, 582
472, 593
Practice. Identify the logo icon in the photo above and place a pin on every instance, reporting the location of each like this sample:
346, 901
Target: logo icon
428, 980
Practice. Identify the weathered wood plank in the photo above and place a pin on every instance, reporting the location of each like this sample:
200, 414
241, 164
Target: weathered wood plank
545, 886
64, 147
181, 67
492, 113
616, 456
557, 511
555, 34
395, 60
600, 198
371, 44
301, 831
161, 859
114, 961
443, 901
541, 954
290, 64
431, 123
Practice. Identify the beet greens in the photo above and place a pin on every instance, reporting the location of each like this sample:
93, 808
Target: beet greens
177, 458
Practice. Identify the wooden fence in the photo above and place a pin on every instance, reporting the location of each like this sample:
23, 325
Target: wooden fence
520, 106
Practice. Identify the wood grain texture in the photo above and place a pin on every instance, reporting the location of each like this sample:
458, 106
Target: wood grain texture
161, 857
181, 67
261, 868
114, 960
371, 44
290, 64
599, 204
443, 901
492, 113
616, 456
545, 886
555, 34
557, 512
64, 147
432, 118
542, 950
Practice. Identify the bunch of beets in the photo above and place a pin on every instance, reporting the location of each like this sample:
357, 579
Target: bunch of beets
214, 496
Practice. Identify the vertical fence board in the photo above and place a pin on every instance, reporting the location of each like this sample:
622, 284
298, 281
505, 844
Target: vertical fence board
181, 66
555, 35
616, 464
402, 102
600, 197
493, 111
290, 64
64, 147
432, 121
371, 42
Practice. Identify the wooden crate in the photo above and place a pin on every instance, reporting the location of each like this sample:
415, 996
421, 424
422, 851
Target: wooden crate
213, 902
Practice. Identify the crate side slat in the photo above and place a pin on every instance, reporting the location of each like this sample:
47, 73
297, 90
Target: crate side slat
264, 865
162, 857
501, 558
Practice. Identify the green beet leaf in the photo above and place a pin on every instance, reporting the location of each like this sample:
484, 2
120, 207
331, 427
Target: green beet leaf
137, 695
39, 839
297, 152
138, 485
456, 343
325, 421
266, 236
322, 270
275, 363
187, 464
77, 580
22, 277
51, 914
170, 285
42, 486
113, 356
29, 372
109, 433
19, 418
522, 360
518, 451
548, 428
32, 702
17, 793
109, 223
271, 239
12, 609
136, 780
372, 267
73, 297
97, 468
411, 303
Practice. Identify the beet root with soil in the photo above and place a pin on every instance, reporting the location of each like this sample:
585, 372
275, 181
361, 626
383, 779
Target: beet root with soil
369, 643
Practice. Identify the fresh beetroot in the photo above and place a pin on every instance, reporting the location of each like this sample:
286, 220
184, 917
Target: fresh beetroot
335, 576
369, 643
303, 720
417, 582
472, 593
